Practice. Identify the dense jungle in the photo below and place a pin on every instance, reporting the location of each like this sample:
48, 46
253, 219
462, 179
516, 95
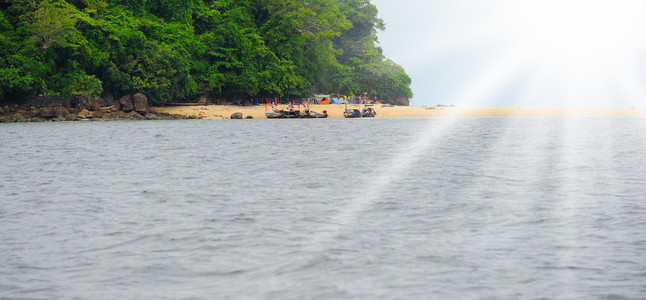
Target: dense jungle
185, 50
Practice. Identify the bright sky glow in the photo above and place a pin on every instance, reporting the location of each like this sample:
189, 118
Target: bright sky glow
547, 53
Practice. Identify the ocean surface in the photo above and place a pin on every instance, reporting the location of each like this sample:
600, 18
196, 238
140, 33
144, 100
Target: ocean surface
437, 208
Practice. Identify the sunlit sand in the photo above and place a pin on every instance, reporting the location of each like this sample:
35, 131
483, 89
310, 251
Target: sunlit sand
336, 111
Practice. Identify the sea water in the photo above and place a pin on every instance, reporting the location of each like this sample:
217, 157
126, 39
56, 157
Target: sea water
437, 208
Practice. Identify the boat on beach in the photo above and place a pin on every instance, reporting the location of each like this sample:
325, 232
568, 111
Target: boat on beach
312, 114
368, 111
352, 113
295, 114
279, 114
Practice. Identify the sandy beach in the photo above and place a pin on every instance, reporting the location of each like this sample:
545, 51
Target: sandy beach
336, 111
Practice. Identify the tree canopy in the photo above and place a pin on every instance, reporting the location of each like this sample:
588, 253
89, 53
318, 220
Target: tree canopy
180, 50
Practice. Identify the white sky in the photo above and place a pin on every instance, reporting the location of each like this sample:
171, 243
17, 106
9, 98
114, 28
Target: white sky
530, 53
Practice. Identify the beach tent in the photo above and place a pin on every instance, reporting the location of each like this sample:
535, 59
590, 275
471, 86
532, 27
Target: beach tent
319, 97
324, 101
338, 101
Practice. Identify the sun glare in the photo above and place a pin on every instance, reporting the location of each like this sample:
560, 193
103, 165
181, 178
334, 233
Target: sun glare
579, 31
573, 52
550, 53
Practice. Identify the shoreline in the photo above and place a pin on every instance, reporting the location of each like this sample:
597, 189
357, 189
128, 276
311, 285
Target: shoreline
210, 112
220, 112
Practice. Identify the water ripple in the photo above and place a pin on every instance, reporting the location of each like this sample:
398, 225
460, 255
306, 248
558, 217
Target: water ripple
487, 208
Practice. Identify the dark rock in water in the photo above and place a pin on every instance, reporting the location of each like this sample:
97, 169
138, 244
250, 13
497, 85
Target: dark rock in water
140, 103
161, 116
237, 116
126, 103
67, 117
38, 119
47, 101
151, 116
249, 117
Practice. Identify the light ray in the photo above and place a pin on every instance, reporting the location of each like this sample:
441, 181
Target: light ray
491, 80
383, 180
572, 48
567, 71
631, 85
485, 85
578, 44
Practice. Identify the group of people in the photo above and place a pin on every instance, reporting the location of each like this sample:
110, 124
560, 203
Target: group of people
345, 99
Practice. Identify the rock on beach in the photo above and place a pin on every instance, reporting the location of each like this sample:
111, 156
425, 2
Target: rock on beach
94, 109
126, 103
140, 103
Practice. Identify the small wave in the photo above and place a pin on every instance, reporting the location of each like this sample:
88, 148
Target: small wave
431, 258
116, 233
569, 268
30, 267
617, 297
244, 219
304, 264
122, 244
220, 274
274, 230
341, 250
34, 291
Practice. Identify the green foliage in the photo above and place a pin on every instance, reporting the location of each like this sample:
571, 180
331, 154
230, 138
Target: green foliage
4, 23
181, 50
80, 84
13, 83
172, 10
53, 23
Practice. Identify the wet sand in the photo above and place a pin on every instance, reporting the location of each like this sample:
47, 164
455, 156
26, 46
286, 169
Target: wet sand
336, 111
